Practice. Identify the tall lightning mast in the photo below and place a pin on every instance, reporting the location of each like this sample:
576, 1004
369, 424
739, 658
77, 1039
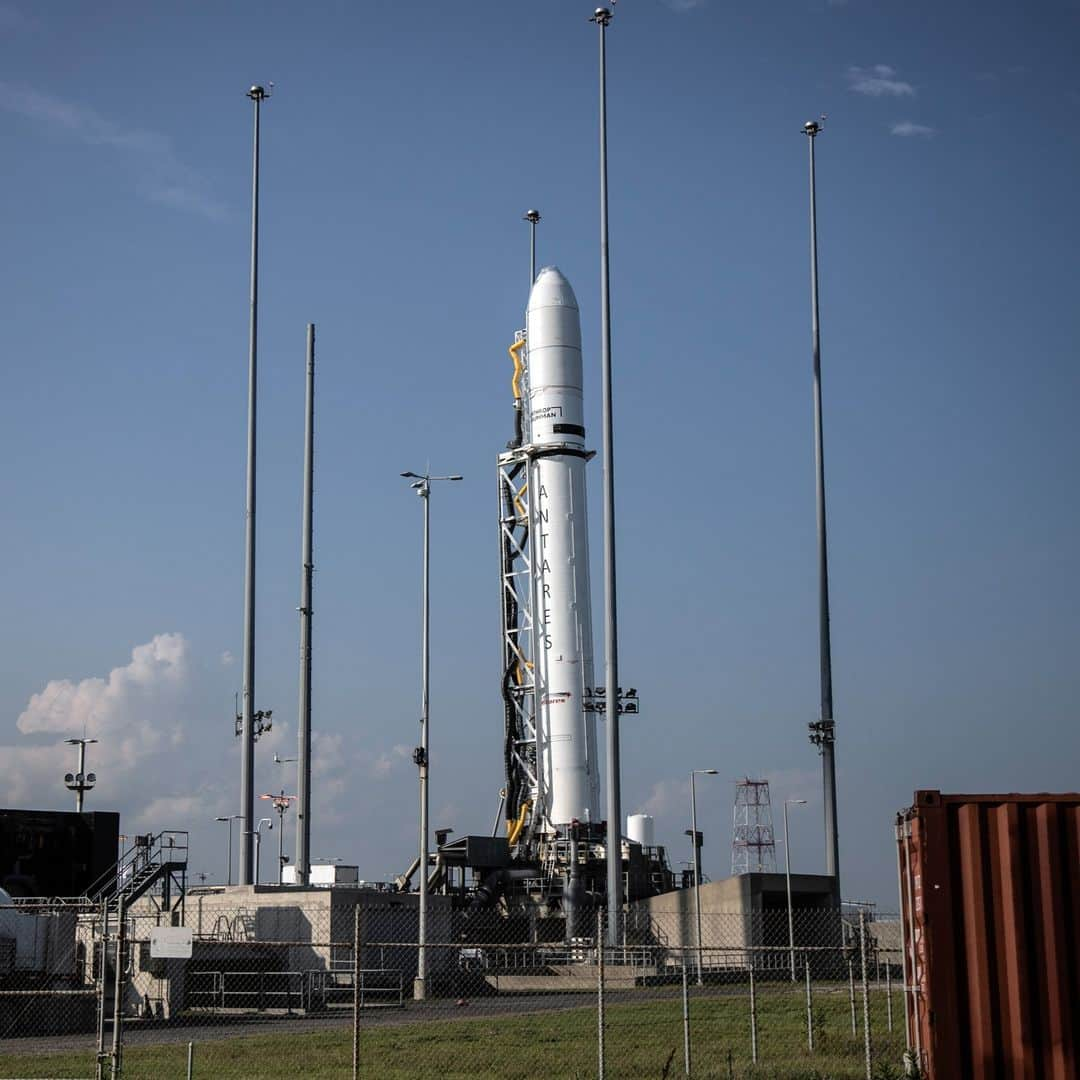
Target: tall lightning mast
823, 730
248, 732
602, 16
303, 766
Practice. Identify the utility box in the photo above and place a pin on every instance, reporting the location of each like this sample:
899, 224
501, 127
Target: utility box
324, 874
990, 896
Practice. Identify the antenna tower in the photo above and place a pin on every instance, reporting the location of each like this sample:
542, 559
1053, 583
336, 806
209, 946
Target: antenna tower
753, 846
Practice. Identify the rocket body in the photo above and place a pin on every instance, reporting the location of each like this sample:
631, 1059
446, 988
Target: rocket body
568, 769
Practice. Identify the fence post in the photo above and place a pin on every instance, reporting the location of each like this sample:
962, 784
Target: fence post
685, 1017
851, 995
865, 998
600, 988
118, 992
190, 1060
888, 994
753, 1013
356, 995
809, 1010
99, 1072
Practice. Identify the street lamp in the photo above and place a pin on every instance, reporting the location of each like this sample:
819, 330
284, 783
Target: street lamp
787, 869
80, 781
422, 486
258, 841
281, 804
697, 860
230, 818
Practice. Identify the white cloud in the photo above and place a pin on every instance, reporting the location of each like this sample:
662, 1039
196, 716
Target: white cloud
382, 764
878, 81
682, 5
666, 797
137, 711
907, 129
792, 784
227, 659
158, 174
126, 709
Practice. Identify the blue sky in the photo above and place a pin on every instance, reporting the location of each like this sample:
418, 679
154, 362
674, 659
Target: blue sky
401, 146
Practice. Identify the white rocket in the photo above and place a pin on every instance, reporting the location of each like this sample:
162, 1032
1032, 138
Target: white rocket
567, 766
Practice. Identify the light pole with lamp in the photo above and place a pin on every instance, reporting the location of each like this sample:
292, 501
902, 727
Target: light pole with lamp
281, 805
787, 871
422, 486
258, 841
230, 818
81, 781
697, 860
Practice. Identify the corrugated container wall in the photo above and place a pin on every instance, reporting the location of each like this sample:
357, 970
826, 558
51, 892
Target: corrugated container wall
990, 893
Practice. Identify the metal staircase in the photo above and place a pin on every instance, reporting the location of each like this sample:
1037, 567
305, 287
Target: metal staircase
151, 860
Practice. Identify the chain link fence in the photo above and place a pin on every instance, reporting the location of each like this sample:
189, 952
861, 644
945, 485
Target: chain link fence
339, 986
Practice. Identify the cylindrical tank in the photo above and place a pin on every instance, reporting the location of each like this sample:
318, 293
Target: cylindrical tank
640, 829
569, 775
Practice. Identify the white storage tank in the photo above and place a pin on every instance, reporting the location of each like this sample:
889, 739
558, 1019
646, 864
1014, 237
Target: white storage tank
640, 829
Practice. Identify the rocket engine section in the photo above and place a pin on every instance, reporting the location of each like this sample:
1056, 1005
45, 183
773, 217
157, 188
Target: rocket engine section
567, 765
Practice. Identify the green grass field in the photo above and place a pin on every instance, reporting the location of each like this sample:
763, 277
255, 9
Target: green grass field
642, 1040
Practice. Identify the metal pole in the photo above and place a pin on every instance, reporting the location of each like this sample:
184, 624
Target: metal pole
600, 988
532, 217
903, 936
419, 988
356, 994
888, 995
422, 486
99, 1072
865, 998
303, 765
80, 778
247, 728
809, 1010
787, 874
230, 821
753, 1014
118, 988
602, 17
281, 847
824, 731
685, 1017
697, 873
190, 1059
851, 995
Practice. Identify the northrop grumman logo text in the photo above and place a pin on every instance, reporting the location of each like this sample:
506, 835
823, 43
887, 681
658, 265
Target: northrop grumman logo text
555, 699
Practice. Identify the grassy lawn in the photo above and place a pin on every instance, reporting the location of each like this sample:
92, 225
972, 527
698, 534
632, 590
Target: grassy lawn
642, 1040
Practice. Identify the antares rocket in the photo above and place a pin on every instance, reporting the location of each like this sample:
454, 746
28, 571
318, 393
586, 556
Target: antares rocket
553, 776
569, 779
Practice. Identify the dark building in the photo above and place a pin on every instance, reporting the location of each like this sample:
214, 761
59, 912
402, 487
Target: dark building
55, 852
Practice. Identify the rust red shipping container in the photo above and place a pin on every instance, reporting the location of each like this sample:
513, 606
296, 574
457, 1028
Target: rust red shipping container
990, 895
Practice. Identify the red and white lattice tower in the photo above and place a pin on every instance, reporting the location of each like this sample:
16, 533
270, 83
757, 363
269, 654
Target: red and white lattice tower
753, 846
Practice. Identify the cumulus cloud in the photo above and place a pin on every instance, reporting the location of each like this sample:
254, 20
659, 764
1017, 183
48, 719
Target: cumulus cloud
135, 712
878, 81
158, 174
126, 708
906, 129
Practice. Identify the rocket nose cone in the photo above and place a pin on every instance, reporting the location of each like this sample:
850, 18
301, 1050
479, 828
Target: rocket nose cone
551, 289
